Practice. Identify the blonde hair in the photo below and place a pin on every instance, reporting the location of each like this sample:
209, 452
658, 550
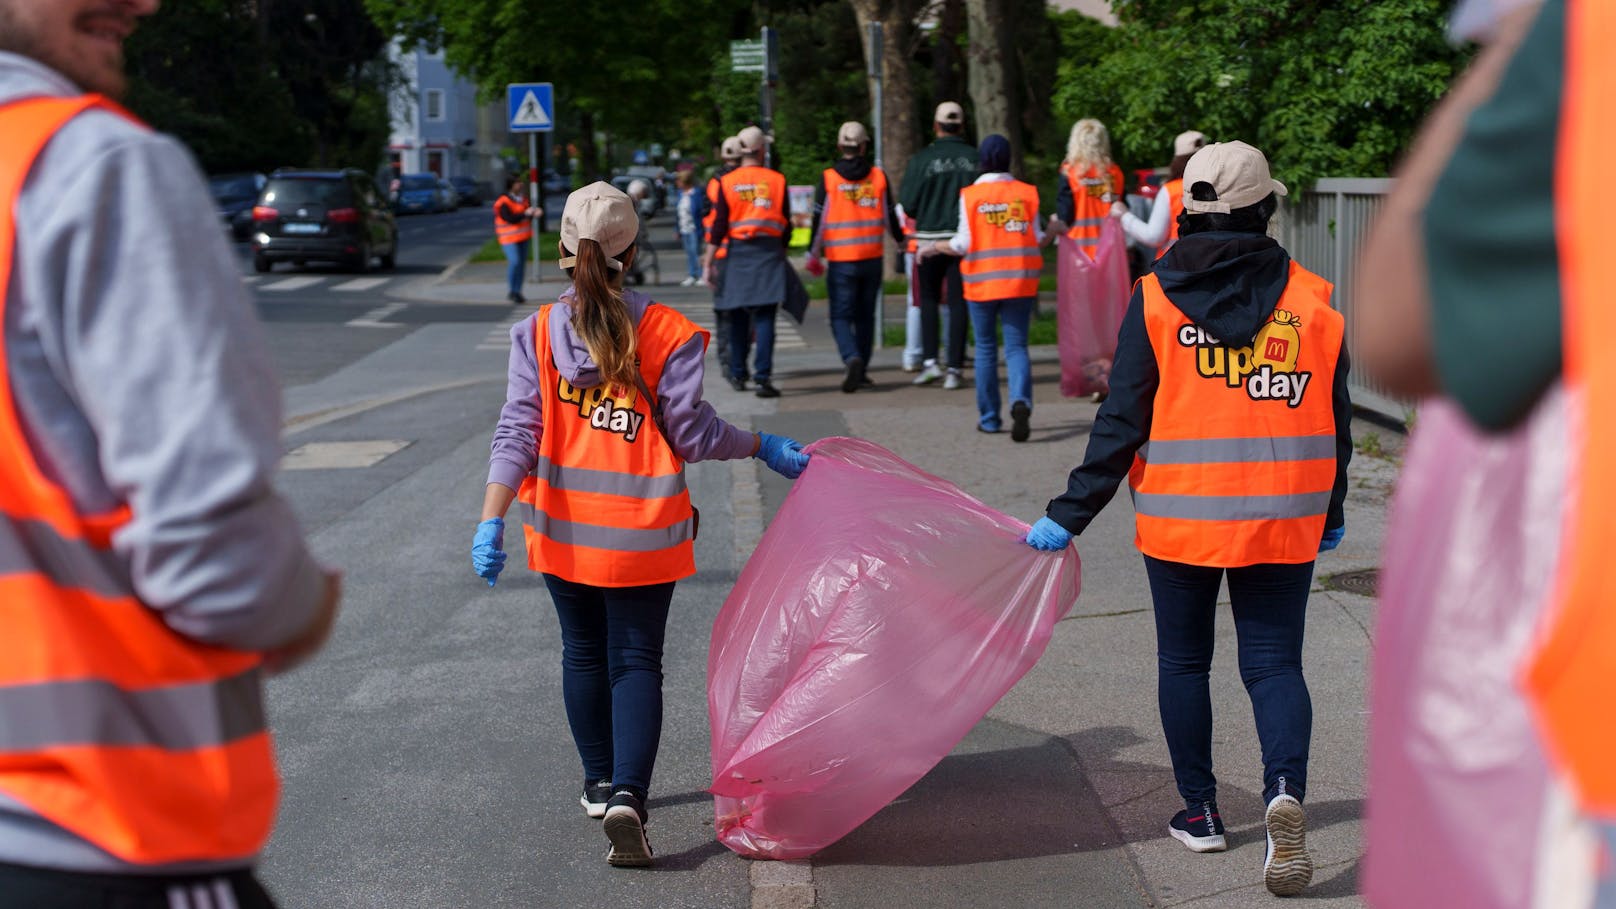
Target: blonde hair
600, 315
1089, 145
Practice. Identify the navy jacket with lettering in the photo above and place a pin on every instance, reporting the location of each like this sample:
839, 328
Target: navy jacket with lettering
1228, 284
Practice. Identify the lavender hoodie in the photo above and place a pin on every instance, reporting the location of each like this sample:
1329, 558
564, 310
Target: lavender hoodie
695, 431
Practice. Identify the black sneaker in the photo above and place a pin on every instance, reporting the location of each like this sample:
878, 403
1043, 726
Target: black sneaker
765, 390
854, 375
1200, 829
1287, 868
1019, 414
595, 796
625, 828
737, 383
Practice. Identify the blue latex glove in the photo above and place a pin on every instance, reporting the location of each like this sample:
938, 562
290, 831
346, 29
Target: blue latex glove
488, 550
1332, 538
1048, 536
784, 456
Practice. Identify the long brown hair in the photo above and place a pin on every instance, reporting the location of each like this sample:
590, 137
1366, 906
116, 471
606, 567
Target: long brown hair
600, 315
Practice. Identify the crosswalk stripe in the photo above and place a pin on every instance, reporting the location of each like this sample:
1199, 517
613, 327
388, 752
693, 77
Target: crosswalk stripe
373, 319
293, 284
361, 284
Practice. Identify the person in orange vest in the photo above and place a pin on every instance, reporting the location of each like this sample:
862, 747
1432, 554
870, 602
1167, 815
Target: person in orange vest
150, 575
1000, 241
1089, 182
852, 209
730, 158
1161, 231
753, 216
603, 409
513, 225
1230, 418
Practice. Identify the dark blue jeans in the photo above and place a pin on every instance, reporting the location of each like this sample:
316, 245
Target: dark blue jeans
741, 324
515, 264
940, 285
611, 675
1270, 606
853, 289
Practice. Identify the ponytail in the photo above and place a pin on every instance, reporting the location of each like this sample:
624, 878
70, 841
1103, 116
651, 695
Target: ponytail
600, 315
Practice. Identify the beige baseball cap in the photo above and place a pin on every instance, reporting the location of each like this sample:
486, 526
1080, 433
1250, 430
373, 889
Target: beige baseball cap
1237, 172
852, 133
599, 212
731, 148
751, 140
949, 112
1188, 142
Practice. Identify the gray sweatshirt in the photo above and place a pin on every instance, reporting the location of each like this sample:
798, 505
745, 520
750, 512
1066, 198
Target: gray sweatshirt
695, 431
141, 377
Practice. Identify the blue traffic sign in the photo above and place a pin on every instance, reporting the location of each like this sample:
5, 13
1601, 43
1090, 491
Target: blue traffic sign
530, 107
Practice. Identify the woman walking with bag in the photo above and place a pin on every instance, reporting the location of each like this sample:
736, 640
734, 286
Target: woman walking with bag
603, 409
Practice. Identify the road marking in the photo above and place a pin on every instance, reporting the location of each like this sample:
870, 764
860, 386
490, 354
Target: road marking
250, 279
293, 284
361, 284
499, 337
341, 455
373, 319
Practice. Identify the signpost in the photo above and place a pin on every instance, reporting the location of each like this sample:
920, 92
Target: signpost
530, 108
746, 57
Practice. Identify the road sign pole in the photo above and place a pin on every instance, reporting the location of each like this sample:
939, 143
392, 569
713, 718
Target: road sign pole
875, 81
533, 195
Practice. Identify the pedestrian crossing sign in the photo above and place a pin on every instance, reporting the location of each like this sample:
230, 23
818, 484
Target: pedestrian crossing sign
530, 106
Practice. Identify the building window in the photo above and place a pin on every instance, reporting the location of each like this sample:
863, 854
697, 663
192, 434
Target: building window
434, 104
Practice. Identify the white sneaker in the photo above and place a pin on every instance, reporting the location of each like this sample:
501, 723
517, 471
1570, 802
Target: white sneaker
929, 374
687, 282
952, 380
1287, 868
911, 366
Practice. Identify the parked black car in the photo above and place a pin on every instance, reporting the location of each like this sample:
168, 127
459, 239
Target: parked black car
235, 195
323, 216
467, 190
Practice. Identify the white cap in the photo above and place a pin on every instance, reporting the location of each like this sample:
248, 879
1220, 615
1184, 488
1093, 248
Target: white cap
1237, 173
599, 212
751, 140
731, 149
949, 112
1188, 143
852, 133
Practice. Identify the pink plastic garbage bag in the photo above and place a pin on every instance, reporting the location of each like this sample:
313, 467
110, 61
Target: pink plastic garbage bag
1091, 296
882, 615
1460, 792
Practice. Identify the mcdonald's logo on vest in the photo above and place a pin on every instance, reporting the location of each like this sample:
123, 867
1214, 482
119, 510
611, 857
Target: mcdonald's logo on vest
1267, 368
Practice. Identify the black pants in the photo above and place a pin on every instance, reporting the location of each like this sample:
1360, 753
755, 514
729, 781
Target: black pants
939, 280
42, 888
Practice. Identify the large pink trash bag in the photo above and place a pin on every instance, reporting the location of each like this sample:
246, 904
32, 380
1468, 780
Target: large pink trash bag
1457, 777
882, 615
1091, 296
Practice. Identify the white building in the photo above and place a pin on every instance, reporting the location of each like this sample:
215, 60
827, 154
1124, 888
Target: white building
438, 126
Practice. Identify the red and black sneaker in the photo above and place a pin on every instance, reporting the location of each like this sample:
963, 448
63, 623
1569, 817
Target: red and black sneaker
1199, 828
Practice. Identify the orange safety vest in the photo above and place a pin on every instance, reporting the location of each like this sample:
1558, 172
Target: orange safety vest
1241, 459
1175, 198
712, 215
607, 502
1569, 677
855, 216
1092, 195
756, 197
507, 232
1003, 262
146, 743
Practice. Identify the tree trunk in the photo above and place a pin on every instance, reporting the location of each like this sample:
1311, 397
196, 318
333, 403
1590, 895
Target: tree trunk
899, 136
947, 59
588, 156
990, 73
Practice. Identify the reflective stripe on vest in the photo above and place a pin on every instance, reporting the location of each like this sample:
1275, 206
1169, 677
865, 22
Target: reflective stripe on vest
1092, 195
144, 743
712, 215
855, 216
1003, 262
506, 231
1569, 677
756, 197
1175, 202
607, 501
1241, 461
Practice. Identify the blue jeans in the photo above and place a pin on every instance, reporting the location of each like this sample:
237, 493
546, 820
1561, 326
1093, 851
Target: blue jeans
692, 243
853, 288
1270, 607
516, 264
611, 675
741, 323
1017, 315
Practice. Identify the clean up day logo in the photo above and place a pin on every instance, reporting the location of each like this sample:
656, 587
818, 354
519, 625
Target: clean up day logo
1266, 369
755, 193
1010, 216
609, 410
861, 194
